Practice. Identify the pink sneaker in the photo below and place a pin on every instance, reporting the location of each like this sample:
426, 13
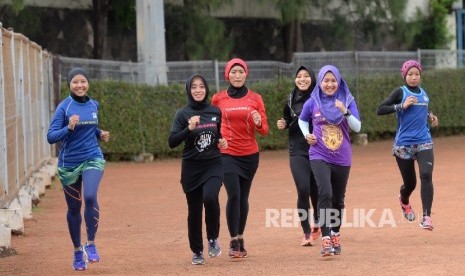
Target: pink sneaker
426, 223
409, 214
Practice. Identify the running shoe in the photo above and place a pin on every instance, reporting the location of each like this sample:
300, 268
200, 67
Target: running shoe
197, 259
242, 248
306, 240
326, 247
426, 223
79, 262
235, 249
336, 245
409, 214
315, 234
91, 252
214, 249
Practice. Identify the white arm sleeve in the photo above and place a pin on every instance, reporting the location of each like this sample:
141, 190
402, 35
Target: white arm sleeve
304, 127
354, 123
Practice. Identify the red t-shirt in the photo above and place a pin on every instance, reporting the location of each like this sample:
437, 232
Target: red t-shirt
237, 125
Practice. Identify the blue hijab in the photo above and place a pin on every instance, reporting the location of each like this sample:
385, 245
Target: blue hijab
326, 103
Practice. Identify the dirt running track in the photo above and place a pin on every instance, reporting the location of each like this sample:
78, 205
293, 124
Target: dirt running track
143, 228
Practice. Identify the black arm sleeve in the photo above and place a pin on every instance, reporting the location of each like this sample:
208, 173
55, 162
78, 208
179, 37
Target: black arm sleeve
287, 115
219, 127
392, 103
177, 138
180, 129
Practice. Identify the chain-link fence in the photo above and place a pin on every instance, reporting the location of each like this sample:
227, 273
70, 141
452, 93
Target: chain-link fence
351, 64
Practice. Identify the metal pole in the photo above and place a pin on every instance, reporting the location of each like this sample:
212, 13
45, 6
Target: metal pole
217, 75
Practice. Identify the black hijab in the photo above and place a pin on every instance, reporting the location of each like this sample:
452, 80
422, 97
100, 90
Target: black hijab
298, 95
190, 100
297, 98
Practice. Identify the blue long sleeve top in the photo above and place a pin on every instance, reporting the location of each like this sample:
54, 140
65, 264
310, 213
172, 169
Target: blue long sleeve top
81, 144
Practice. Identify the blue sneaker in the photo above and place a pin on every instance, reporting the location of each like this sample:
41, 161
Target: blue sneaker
197, 259
214, 249
79, 262
91, 252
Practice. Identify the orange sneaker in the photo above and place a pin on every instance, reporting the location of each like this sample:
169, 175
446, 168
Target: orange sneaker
315, 234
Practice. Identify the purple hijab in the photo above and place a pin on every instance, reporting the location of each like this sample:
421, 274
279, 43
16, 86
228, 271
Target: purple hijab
326, 103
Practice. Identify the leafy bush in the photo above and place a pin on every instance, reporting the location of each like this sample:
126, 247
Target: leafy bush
139, 117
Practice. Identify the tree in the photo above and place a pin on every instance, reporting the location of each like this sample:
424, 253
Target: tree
16, 5
205, 38
433, 31
202, 35
123, 15
359, 22
293, 13
100, 10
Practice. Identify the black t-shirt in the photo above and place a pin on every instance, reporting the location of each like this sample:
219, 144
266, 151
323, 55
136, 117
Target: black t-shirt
202, 142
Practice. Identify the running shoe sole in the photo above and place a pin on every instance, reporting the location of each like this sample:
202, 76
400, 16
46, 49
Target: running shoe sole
212, 255
236, 255
198, 261
427, 227
86, 256
327, 253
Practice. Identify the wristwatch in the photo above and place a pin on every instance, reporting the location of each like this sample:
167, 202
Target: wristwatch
347, 114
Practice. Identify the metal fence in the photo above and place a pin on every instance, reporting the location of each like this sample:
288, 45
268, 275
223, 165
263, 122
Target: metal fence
352, 64
26, 101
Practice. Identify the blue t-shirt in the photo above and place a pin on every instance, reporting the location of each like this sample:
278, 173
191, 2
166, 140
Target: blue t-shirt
81, 144
412, 126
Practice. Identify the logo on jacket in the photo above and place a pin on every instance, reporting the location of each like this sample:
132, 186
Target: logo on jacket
204, 141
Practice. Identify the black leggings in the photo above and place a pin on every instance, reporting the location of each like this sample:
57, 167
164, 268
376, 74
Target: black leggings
306, 188
237, 207
206, 194
332, 182
425, 160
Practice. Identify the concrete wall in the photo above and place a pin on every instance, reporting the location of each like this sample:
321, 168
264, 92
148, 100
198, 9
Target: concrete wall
265, 9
